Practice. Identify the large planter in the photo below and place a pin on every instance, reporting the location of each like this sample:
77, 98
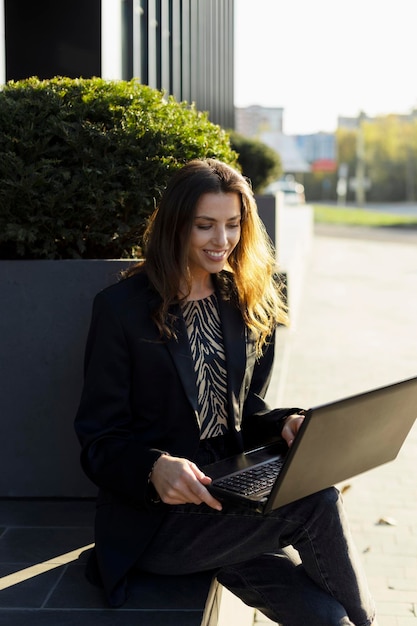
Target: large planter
44, 319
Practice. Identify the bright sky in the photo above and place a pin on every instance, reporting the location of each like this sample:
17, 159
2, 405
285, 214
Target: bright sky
322, 58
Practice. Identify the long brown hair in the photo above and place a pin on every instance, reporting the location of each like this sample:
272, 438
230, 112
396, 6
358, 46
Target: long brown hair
252, 262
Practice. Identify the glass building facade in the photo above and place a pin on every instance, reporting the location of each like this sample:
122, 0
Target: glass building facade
184, 47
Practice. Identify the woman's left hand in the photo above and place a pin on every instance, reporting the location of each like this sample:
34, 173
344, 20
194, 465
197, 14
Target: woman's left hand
291, 427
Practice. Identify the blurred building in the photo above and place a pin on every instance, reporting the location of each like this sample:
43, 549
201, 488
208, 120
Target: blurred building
266, 124
317, 146
299, 153
253, 120
352, 123
292, 160
319, 150
184, 47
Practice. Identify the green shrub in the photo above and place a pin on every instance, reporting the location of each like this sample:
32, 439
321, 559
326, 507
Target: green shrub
83, 161
258, 162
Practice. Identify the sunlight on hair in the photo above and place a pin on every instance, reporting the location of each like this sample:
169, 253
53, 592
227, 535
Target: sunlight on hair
40, 568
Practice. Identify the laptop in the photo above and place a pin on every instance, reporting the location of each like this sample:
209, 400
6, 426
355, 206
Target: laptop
336, 441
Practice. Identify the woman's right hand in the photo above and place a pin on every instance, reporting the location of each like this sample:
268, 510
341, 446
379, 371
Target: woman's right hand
291, 427
179, 481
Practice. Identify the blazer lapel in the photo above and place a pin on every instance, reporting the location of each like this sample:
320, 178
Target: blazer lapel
234, 339
181, 355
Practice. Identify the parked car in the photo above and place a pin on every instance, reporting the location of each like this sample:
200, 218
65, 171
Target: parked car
293, 192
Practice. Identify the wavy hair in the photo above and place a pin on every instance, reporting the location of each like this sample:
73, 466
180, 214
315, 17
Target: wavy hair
252, 262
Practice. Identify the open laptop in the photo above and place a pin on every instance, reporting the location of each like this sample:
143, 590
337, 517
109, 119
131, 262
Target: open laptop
336, 441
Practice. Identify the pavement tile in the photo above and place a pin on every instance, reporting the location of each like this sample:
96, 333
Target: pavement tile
398, 609
39, 544
46, 512
402, 584
110, 617
389, 620
30, 593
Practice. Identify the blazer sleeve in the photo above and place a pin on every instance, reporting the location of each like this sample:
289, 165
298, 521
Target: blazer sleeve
260, 422
112, 455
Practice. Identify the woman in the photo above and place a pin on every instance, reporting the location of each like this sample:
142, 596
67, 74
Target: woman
178, 361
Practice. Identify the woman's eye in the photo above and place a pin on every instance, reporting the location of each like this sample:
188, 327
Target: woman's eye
209, 226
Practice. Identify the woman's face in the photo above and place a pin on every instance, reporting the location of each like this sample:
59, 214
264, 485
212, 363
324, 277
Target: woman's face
215, 232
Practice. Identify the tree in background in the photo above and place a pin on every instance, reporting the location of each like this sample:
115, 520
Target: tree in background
390, 146
391, 158
258, 162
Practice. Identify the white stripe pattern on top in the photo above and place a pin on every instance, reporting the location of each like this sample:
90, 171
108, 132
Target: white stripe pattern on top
204, 330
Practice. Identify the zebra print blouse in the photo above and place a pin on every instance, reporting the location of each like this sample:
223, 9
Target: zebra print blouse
202, 320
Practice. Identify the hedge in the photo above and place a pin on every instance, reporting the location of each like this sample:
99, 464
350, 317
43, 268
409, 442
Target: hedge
83, 162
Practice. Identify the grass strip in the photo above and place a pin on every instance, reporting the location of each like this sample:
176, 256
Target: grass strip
324, 214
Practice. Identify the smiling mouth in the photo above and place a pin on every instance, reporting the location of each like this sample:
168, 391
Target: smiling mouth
216, 256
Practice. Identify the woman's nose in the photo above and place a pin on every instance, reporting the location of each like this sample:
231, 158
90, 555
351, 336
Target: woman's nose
220, 237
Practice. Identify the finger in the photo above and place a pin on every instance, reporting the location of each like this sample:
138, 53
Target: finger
201, 477
189, 489
198, 473
208, 499
200, 494
287, 433
204, 494
293, 424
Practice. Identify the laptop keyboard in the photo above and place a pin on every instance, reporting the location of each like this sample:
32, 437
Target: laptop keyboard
253, 480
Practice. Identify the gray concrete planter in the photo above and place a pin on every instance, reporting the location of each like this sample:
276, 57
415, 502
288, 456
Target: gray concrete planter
44, 318
268, 210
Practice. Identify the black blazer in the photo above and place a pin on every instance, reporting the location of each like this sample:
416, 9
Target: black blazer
139, 399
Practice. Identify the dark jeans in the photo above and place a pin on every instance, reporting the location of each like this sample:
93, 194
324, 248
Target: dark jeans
325, 586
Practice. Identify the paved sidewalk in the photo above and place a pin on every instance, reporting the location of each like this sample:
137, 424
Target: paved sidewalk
355, 328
